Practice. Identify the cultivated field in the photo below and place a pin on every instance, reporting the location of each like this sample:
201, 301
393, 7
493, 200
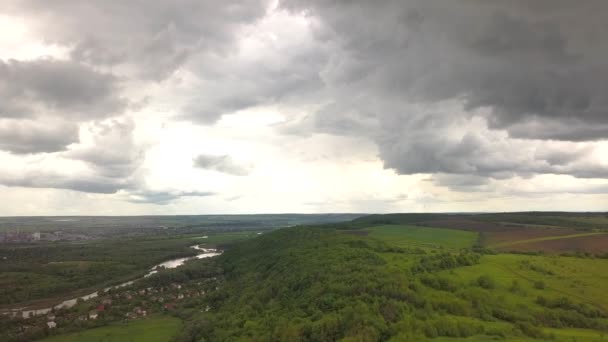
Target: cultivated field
585, 243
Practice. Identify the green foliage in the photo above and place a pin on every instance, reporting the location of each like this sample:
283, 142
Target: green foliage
445, 261
486, 282
307, 284
539, 285
438, 283
530, 330
153, 329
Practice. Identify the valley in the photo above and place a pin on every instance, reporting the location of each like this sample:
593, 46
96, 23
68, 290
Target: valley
390, 277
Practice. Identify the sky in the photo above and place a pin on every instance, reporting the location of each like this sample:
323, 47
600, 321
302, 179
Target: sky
217, 107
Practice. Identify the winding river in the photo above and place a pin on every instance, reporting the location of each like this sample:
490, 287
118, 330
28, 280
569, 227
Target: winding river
205, 253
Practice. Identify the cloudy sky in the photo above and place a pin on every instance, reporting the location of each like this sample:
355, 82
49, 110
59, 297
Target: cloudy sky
182, 107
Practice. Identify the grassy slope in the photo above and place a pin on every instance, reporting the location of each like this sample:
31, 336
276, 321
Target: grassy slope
154, 329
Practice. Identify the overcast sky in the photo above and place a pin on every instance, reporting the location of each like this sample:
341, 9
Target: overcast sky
196, 107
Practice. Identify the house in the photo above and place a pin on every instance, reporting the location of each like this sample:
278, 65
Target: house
180, 296
82, 318
131, 315
101, 308
169, 306
51, 325
51, 317
93, 314
142, 292
106, 301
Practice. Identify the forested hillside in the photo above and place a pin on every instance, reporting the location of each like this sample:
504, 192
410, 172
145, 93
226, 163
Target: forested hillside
314, 284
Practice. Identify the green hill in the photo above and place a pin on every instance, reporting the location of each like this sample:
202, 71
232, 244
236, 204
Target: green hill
315, 284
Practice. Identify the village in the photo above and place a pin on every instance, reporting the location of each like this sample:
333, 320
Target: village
136, 301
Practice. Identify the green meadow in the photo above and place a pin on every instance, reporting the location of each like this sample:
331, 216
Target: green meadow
153, 329
408, 236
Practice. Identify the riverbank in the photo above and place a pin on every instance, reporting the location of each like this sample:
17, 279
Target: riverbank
46, 306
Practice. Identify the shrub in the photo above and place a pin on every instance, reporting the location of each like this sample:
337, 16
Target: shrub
438, 283
530, 330
516, 287
486, 282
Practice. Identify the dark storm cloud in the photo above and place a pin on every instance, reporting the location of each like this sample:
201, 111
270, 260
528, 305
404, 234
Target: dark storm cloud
484, 155
417, 76
110, 161
542, 64
464, 182
28, 136
64, 89
81, 183
472, 90
283, 70
566, 129
222, 163
152, 37
164, 197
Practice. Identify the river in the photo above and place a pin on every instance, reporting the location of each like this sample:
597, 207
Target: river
205, 253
